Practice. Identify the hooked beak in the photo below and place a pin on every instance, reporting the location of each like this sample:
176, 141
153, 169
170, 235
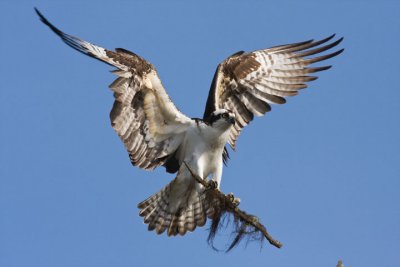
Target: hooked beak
232, 120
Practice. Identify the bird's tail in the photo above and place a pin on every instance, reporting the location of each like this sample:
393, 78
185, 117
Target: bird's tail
179, 207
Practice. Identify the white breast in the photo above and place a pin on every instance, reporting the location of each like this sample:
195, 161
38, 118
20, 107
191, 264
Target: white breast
203, 147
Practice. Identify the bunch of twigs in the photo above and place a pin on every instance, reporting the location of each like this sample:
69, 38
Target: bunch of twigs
246, 225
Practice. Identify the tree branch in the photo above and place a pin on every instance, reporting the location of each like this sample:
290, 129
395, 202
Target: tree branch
229, 205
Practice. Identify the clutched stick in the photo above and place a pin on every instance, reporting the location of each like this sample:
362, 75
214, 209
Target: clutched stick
247, 225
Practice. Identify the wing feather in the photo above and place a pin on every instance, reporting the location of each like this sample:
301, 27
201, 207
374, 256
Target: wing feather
247, 83
143, 115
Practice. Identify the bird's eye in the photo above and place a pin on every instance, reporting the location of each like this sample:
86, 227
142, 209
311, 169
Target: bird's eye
224, 115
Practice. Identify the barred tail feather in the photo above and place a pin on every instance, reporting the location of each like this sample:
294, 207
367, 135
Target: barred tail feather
177, 209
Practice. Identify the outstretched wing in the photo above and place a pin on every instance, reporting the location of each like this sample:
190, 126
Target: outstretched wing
247, 83
143, 115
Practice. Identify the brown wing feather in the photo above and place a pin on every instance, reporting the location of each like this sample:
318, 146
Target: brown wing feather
147, 149
248, 83
143, 115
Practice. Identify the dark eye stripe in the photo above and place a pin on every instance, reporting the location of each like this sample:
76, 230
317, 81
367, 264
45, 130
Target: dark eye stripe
216, 117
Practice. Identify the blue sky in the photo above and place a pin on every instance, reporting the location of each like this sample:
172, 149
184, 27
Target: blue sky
322, 172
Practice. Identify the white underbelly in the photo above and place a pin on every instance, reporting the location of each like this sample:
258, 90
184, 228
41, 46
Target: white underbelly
203, 154
210, 162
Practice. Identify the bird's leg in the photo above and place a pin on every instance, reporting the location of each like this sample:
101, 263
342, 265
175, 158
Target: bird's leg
212, 184
208, 184
215, 180
197, 177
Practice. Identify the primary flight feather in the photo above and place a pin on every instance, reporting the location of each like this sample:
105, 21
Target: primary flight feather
156, 133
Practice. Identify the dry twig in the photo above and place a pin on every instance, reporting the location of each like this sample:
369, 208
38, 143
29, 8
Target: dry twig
247, 225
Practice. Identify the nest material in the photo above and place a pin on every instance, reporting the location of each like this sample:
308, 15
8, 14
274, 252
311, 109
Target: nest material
246, 226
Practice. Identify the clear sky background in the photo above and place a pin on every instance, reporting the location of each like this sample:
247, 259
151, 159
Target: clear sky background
322, 172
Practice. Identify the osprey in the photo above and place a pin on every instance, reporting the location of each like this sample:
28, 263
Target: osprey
156, 133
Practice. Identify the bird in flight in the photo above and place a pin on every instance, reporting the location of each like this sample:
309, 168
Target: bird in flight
156, 133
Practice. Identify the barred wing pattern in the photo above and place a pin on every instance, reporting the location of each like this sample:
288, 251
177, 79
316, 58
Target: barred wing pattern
143, 115
248, 83
146, 121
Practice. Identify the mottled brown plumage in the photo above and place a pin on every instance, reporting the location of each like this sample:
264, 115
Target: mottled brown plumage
248, 83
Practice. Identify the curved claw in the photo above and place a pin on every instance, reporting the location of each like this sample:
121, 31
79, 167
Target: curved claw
235, 200
212, 184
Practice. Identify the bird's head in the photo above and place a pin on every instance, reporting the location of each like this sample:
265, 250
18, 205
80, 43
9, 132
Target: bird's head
222, 118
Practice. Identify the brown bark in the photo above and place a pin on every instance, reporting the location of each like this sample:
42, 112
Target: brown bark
247, 225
